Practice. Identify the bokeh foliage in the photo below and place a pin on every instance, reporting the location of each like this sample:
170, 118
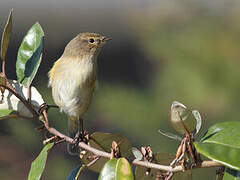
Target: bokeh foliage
194, 53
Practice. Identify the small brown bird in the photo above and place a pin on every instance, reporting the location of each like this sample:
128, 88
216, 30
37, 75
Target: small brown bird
73, 79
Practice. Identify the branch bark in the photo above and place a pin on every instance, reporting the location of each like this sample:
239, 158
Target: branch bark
204, 164
25, 102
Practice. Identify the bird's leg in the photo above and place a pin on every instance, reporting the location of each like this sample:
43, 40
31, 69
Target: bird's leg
81, 135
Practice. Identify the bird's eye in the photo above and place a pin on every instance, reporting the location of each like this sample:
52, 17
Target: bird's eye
91, 40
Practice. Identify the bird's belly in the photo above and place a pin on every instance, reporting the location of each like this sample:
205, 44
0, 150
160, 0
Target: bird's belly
73, 95
79, 103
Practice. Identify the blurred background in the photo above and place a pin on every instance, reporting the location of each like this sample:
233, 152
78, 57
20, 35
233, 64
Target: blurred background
161, 51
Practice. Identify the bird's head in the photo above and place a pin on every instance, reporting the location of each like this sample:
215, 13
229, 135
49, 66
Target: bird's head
85, 44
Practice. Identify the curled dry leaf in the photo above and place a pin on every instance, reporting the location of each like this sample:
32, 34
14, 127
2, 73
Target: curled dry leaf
181, 118
11, 102
137, 153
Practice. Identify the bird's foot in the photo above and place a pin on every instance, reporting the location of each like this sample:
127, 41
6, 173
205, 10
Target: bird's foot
82, 136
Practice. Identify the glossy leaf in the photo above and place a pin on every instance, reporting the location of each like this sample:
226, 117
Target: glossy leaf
116, 169
29, 55
11, 102
74, 173
231, 174
39, 163
181, 118
103, 141
222, 144
170, 135
142, 173
6, 37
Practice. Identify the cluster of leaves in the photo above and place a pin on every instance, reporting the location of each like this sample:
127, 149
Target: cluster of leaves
27, 64
221, 143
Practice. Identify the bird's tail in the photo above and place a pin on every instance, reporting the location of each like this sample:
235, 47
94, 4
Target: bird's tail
73, 130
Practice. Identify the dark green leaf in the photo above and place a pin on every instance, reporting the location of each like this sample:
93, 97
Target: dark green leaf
142, 173
231, 174
29, 55
74, 173
116, 169
170, 135
103, 141
6, 37
222, 144
7, 113
39, 163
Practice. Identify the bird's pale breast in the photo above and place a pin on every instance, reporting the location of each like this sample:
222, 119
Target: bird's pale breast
73, 83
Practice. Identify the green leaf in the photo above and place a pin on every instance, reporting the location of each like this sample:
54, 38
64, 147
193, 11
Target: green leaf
222, 144
103, 141
29, 55
142, 173
6, 37
74, 173
7, 113
170, 135
116, 169
38, 164
231, 174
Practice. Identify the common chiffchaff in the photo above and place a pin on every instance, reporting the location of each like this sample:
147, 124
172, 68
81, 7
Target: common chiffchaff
73, 79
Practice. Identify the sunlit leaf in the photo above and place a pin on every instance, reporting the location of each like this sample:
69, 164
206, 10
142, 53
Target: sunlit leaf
142, 173
170, 135
103, 141
6, 37
222, 144
116, 169
11, 102
29, 55
39, 163
231, 174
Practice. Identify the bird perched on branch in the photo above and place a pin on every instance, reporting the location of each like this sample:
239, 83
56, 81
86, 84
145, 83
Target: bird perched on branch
73, 80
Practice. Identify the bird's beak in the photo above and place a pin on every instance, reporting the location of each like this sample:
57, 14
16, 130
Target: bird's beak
105, 39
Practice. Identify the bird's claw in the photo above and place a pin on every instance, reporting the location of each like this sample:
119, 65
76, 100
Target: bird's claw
80, 137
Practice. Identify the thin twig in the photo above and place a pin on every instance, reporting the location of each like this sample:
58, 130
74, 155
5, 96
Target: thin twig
29, 94
86, 166
204, 164
80, 172
25, 102
220, 173
93, 161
